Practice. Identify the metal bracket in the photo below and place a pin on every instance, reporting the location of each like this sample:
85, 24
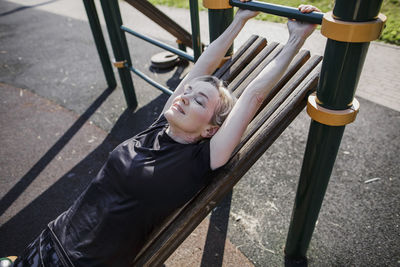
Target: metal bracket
331, 117
120, 64
216, 4
352, 32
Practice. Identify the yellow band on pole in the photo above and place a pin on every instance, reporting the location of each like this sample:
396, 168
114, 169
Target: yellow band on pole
331, 117
216, 4
119, 64
353, 32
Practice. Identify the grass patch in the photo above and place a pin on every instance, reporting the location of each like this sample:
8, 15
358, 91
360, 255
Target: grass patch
391, 8
391, 33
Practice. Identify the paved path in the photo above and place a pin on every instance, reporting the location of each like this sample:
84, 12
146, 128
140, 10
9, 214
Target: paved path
57, 130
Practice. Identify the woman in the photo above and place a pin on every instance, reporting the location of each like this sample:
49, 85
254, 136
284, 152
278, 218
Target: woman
152, 174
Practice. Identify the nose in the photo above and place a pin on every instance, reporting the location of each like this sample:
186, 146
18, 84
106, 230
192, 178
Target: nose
185, 99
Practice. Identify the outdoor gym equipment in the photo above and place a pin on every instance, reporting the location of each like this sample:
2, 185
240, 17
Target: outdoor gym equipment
349, 29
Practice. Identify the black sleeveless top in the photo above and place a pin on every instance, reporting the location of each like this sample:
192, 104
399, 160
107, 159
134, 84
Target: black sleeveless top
143, 181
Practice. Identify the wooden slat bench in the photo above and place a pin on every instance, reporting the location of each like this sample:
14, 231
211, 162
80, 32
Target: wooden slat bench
282, 105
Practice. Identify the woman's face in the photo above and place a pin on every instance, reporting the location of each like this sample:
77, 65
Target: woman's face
192, 111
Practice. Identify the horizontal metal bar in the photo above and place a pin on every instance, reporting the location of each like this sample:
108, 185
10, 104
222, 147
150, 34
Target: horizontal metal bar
159, 44
150, 81
279, 10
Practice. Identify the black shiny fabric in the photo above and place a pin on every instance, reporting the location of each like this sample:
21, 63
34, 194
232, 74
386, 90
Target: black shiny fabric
42, 252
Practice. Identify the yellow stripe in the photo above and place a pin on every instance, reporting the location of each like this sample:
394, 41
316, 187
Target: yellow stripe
331, 117
216, 4
119, 64
353, 32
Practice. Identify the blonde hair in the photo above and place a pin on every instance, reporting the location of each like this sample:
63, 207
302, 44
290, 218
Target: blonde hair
226, 99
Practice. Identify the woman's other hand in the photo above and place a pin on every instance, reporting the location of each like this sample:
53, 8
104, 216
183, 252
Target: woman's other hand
308, 8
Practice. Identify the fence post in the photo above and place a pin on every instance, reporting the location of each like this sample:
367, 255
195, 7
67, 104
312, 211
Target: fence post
220, 16
100, 43
119, 45
194, 18
341, 68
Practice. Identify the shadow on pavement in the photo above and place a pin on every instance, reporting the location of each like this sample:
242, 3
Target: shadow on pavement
214, 247
31, 175
18, 9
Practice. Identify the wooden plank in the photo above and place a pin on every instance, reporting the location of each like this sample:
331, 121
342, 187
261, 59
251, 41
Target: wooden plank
226, 177
243, 60
254, 68
163, 21
299, 60
235, 56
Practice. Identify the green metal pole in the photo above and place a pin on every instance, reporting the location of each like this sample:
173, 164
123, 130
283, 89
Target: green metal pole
340, 73
194, 17
182, 47
279, 10
155, 42
119, 45
219, 20
100, 43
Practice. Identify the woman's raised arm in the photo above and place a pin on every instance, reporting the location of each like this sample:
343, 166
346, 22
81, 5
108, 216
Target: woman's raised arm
210, 59
228, 136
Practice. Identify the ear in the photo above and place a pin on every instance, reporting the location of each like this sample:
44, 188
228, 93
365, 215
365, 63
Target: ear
209, 131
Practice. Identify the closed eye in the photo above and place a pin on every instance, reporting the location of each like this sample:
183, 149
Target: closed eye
199, 102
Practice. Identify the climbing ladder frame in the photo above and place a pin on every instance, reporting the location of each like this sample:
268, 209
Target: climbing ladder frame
349, 29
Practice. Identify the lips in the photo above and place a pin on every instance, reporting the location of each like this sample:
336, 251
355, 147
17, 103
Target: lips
178, 107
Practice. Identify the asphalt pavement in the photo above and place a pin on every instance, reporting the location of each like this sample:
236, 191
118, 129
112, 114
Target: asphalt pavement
59, 121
